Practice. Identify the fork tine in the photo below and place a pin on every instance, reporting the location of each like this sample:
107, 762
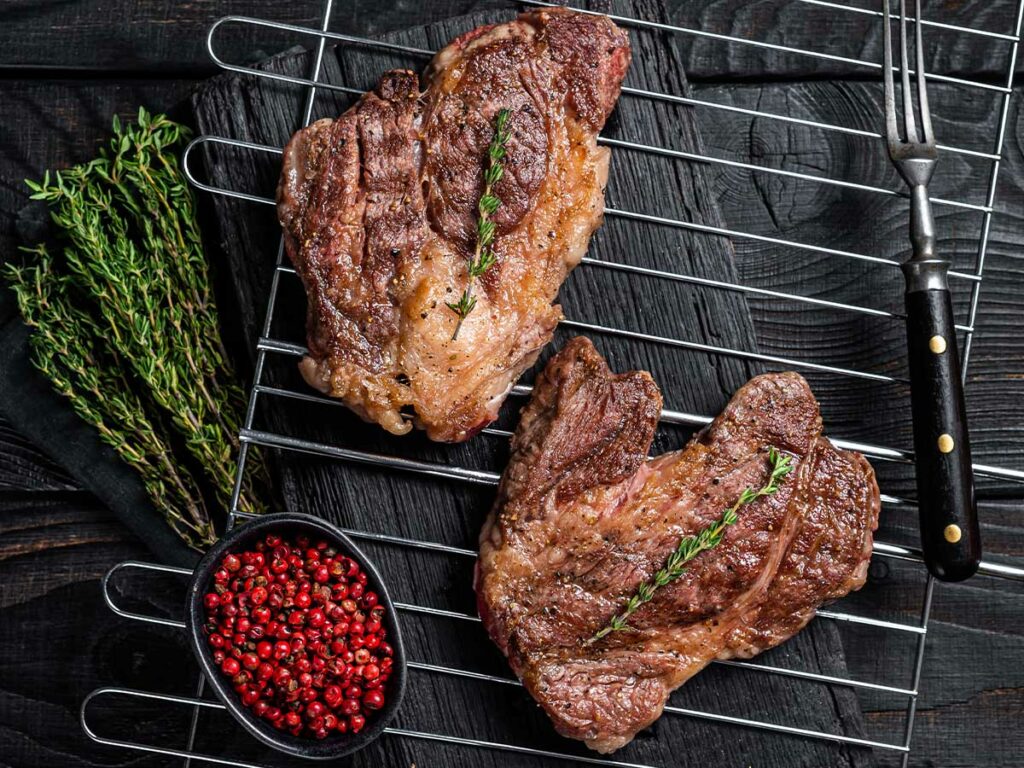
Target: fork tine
922, 90
892, 132
908, 95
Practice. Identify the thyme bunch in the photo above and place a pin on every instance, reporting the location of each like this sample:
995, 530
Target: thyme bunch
690, 546
132, 289
483, 256
100, 393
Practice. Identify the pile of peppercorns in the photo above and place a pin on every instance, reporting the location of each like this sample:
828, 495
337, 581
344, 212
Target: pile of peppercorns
299, 635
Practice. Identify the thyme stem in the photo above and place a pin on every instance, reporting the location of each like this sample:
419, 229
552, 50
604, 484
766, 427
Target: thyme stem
101, 395
690, 546
125, 322
483, 254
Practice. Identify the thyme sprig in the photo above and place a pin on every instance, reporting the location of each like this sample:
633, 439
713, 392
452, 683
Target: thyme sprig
483, 257
132, 302
101, 395
690, 546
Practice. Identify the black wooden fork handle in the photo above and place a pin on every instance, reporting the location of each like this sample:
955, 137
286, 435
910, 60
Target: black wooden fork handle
950, 539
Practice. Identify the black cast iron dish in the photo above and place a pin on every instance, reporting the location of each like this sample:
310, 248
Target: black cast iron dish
287, 524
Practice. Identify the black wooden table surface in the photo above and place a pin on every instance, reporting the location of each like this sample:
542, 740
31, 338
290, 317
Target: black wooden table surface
66, 67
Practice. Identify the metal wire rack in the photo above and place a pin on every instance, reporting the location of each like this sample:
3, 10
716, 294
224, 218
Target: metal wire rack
267, 346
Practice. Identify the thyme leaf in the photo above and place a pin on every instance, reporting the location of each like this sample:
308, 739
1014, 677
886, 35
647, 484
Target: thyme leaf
690, 546
483, 257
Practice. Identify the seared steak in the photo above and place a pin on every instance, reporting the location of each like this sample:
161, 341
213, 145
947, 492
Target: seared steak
583, 518
379, 213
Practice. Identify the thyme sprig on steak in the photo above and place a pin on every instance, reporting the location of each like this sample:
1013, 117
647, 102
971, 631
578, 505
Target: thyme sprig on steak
691, 546
483, 255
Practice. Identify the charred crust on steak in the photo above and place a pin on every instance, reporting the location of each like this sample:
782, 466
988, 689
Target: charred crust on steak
378, 208
598, 427
571, 537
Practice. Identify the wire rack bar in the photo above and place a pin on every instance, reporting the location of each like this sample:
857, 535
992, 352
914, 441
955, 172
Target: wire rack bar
724, 285
693, 101
443, 738
881, 549
926, 609
609, 212
824, 614
991, 196
740, 235
669, 709
145, 618
795, 673
276, 345
456, 672
749, 290
111, 602
443, 612
627, 90
486, 477
924, 22
668, 416
198, 704
712, 349
625, 21
444, 471
695, 157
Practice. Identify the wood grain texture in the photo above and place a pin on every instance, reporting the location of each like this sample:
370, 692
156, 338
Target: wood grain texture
873, 224
837, 32
60, 641
24, 467
144, 40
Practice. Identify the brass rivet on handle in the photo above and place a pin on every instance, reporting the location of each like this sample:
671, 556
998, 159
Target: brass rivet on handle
937, 344
952, 533
945, 443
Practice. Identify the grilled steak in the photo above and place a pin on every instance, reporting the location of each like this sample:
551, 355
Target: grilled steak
379, 213
583, 518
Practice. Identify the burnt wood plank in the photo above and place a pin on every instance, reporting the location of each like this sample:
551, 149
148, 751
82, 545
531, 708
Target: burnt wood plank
25, 467
151, 35
451, 513
993, 691
836, 31
957, 683
59, 641
873, 224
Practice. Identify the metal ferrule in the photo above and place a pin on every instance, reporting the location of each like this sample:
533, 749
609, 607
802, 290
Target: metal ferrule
924, 271
926, 275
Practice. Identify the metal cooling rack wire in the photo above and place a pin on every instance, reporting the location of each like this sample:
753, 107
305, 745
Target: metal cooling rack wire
874, 451
198, 702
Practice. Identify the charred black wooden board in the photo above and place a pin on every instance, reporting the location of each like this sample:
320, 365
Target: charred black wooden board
45, 33
451, 512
